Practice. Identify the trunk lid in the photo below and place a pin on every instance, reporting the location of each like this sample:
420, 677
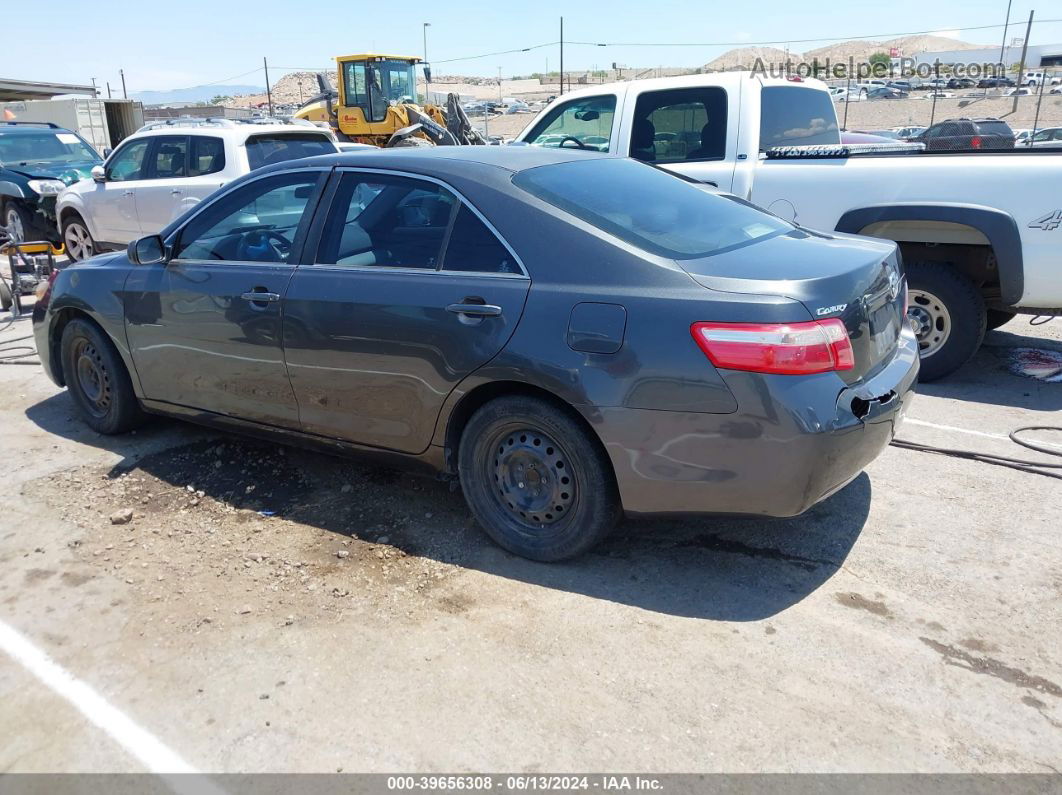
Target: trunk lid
836, 275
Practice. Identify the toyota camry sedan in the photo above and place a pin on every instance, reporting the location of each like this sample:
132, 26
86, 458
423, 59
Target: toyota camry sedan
572, 336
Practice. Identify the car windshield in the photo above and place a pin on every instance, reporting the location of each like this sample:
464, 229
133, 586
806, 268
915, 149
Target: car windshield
46, 146
650, 208
264, 150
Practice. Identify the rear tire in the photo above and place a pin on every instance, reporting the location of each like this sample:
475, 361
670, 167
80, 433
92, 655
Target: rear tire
5, 296
948, 315
97, 379
998, 317
538, 483
77, 239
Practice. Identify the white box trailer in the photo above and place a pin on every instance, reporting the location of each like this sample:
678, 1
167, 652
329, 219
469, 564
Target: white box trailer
101, 122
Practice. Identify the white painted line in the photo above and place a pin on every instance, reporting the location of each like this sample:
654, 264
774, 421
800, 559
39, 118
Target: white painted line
1000, 436
139, 742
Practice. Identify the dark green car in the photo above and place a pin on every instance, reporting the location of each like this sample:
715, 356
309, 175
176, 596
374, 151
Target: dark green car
38, 161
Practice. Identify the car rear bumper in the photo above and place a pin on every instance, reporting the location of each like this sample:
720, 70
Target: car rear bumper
793, 442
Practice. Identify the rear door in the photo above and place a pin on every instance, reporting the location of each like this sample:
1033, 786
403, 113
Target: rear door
410, 291
205, 329
167, 172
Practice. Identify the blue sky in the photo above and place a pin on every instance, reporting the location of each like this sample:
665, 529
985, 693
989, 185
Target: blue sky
192, 42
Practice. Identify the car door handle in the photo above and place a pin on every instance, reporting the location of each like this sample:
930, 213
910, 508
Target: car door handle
263, 297
176, 192
129, 193
475, 310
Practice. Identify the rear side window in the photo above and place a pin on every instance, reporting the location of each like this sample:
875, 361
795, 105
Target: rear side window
649, 207
797, 116
473, 247
208, 156
264, 150
681, 124
579, 124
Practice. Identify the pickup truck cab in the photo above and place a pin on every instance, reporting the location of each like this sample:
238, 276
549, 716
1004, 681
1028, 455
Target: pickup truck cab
980, 232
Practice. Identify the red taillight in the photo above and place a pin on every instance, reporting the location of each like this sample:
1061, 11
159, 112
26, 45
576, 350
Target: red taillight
817, 346
975, 142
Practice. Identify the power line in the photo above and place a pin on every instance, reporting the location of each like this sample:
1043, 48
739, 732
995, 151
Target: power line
776, 41
500, 52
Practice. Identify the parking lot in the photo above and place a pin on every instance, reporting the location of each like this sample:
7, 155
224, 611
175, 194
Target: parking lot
270, 609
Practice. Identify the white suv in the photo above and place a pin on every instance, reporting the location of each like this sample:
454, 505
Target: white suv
165, 168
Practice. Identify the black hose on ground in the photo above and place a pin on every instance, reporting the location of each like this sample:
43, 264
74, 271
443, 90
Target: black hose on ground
1023, 465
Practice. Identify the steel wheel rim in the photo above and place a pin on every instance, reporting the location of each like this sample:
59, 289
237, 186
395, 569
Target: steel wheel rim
13, 222
77, 241
532, 477
930, 319
92, 378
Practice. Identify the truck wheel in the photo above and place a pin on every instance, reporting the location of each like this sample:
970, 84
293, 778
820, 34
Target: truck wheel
947, 312
5, 296
98, 380
536, 480
999, 317
77, 239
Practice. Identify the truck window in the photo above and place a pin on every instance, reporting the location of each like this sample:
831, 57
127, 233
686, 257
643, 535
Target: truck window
682, 124
579, 124
794, 115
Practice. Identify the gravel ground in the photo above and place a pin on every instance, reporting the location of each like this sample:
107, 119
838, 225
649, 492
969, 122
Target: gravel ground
258, 608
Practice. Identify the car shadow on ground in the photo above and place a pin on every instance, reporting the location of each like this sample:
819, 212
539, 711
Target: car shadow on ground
717, 568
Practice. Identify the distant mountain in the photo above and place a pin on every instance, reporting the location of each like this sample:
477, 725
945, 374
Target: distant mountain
193, 94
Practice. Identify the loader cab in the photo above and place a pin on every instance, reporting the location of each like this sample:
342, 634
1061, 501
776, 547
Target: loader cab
372, 83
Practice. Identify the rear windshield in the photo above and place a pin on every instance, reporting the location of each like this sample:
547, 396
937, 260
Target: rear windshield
649, 207
995, 128
797, 116
264, 150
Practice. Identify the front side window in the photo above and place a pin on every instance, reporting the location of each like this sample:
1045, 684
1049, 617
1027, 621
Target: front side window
796, 116
265, 150
579, 124
386, 221
257, 223
170, 158
54, 148
678, 125
208, 156
128, 162
649, 207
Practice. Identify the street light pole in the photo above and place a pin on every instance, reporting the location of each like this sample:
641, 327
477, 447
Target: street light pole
425, 31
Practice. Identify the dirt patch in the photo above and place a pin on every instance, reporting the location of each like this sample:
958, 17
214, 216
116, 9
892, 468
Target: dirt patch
226, 530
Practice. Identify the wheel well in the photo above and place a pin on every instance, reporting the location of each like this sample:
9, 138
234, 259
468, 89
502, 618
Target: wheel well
62, 318
482, 395
67, 212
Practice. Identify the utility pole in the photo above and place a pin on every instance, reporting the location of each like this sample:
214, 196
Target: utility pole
108, 89
425, 31
122, 73
1003, 45
562, 57
269, 91
1024, 51
499, 85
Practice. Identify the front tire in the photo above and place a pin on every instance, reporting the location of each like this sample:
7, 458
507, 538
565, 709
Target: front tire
948, 314
97, 379
77, 239
17, 221
536, 480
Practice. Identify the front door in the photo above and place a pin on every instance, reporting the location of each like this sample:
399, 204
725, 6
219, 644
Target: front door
111, 204
410, 291
204, 329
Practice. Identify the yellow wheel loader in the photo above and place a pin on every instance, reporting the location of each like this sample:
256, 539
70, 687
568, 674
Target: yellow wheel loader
376, 103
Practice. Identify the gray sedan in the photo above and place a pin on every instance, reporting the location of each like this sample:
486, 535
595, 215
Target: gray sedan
571, 336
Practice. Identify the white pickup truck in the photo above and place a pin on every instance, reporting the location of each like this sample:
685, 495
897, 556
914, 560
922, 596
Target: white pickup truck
980, 232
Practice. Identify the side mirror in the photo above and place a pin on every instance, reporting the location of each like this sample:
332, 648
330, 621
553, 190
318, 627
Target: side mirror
107, 152
427, 73
98, 174
148, 250
587, 115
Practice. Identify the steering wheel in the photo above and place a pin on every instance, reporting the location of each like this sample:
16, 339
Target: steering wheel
264, 245
578, 143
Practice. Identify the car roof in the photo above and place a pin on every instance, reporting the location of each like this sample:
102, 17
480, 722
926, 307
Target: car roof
512, 157
7, 128
238, 131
